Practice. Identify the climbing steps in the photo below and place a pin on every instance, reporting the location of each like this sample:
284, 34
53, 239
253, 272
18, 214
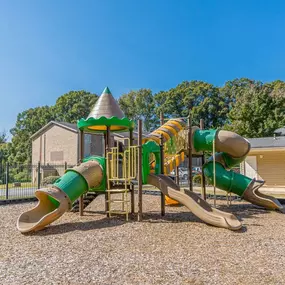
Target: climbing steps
121, 170
118, 205
87, 199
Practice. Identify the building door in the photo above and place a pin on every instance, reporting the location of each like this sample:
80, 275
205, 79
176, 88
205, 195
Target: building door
251, 167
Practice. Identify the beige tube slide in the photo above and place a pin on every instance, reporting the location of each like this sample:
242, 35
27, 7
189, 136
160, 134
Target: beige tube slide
194, 203
45, 212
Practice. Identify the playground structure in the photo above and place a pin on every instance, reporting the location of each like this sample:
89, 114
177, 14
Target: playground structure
148, 162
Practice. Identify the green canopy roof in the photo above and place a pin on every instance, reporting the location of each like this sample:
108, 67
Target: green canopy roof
101, 124
105, 113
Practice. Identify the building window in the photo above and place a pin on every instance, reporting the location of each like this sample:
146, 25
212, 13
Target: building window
56, 156
93, 145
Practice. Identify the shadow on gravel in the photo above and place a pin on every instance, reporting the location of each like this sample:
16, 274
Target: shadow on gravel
80, 226
243, 211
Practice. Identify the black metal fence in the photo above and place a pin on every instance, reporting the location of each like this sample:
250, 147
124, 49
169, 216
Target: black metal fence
18, 181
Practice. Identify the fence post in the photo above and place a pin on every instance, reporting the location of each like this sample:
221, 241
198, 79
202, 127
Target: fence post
39, 175
7, 181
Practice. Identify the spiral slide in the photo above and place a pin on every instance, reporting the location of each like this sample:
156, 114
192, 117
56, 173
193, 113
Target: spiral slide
231, 150
194, 203
57, 199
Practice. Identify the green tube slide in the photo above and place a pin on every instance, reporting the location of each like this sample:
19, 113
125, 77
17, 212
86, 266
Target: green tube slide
230, 150
73, 184
55, 200
227, 180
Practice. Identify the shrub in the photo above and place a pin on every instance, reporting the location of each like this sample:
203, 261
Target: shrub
197, 179
49, 180
21, 177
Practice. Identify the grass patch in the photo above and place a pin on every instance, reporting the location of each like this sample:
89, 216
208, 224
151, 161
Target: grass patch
23, 185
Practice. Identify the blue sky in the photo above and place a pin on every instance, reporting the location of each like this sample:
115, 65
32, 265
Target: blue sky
50, 47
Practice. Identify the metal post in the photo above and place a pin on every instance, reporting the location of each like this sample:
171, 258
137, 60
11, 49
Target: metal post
140, 216
39, 175
132, 188
81, 157
65, 166
107, 149
177, 175
131, 137
204, 193
162, 196
132, 185
7, 181
190, 151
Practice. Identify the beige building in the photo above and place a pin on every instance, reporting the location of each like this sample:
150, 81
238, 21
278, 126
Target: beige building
57, 144
266, 161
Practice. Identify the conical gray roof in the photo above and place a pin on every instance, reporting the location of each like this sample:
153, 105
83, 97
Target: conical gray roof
106, 106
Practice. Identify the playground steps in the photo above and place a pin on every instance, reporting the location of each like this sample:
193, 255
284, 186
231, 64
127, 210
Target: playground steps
87, 199
124, 201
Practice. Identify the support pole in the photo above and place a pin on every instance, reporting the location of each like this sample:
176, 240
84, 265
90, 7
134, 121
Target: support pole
131, 137
107, 149
162, 196
132, 188
190, 151
7, 181
39, 175
81, 157
177, 174
204, 192
140, 170
131, 184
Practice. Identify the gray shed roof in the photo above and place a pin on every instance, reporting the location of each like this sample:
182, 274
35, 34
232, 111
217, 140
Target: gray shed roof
68, 126
270, 142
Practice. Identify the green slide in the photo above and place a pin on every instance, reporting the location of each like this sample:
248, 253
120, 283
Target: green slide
54, 201
230, 150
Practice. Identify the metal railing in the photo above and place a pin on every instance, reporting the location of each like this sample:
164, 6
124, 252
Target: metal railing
19, 181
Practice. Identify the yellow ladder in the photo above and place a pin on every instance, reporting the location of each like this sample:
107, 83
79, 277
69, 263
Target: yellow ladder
120, 175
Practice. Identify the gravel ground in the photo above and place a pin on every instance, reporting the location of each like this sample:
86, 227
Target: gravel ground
178, 249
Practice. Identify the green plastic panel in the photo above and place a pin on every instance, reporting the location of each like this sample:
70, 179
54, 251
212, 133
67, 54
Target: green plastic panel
147, 149
203, 139
73, 184
122, 124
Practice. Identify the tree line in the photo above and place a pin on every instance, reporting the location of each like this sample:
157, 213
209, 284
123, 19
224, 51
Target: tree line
249, 107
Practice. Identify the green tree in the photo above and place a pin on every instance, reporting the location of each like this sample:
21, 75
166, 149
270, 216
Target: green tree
256, 113
73, 106
139, 105
277, 88
28, 122
203, 99
3, 137
68, 108
4, 152
234, 89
